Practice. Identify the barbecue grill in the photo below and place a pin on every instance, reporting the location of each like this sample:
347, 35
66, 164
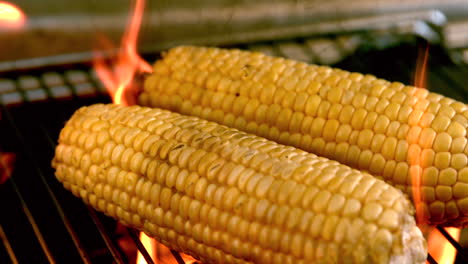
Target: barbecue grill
42, 222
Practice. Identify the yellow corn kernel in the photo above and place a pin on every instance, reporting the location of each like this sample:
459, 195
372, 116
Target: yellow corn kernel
333, 105
225, 196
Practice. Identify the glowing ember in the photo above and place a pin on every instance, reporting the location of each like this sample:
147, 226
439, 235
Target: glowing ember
11, 16
118, 75
7, 161
440, 249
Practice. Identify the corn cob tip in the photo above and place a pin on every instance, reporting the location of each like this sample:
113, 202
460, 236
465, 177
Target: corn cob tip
415, 248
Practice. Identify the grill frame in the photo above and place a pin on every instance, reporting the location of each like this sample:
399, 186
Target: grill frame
82, 88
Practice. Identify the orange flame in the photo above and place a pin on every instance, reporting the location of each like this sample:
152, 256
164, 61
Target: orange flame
440, 249
420, 78
11, 16
119, 75
414, 152
150, 245
7, 160
159, 253
438, 246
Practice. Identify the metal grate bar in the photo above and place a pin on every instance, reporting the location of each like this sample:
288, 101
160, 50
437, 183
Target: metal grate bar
84, 256
34, 226
7, 245
107, 240
49, 84
114, 250
177, 256
455, 244
74, 78
430, 259
16, 225
134, 235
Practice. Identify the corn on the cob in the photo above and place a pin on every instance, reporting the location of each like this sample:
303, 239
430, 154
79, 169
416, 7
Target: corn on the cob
390, 130
225, 196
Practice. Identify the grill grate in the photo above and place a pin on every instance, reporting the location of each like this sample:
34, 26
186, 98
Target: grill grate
53, 84
45, 223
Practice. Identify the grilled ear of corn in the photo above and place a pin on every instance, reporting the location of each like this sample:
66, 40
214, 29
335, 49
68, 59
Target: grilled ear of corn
225, 196
399, 133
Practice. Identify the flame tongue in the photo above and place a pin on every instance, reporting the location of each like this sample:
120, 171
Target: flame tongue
415, 154
438, 246
11, 16
118, 77
420, 78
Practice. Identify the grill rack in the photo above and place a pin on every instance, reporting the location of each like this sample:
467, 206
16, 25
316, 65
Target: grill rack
32, 98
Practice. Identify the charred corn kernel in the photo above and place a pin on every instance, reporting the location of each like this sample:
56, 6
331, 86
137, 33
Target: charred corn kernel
225, 196
312, 108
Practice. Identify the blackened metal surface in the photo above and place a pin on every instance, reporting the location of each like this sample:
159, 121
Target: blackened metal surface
45, 222
399, 64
